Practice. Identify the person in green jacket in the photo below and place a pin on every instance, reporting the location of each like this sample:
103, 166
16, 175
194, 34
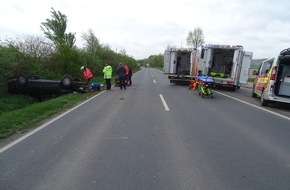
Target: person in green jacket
108, 75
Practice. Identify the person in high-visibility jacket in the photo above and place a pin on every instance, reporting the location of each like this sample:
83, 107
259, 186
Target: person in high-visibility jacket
108, 75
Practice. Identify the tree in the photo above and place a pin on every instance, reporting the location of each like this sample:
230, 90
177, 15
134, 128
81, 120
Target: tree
54, 29
155, 61
195, 38
92, 43
123, 52
35, 46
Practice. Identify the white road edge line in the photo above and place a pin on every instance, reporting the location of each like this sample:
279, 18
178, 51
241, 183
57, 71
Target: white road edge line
154, 80
44, 125
274, 113
164, 103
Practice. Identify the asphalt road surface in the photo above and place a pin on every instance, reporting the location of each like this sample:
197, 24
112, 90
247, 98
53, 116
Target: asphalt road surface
155, 135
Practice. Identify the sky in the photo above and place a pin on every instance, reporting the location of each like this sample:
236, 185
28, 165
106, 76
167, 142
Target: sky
146, 27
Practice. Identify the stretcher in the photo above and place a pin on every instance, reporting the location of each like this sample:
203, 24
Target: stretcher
203, 86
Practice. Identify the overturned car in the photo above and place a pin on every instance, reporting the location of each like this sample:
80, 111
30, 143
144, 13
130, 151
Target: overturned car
40, 88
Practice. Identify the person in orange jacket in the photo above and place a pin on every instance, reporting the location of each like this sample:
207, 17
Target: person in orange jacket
87, 74
127, 74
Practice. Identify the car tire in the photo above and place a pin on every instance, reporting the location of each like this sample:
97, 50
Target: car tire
254, 95
22, 80
263, 101
66, 82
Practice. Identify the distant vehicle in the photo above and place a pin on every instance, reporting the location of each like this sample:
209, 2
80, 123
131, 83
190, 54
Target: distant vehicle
272, 81
39, 88
228, 65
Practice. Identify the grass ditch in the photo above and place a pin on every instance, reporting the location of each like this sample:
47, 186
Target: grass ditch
23, 113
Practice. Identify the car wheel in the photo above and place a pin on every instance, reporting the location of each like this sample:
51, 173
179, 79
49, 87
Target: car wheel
263, 101
66, 82
22, 80
254, 95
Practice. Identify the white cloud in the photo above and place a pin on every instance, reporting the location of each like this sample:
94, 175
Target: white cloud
145, 28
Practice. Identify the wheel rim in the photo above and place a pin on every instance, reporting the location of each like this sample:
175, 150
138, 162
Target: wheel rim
66, 81
21, 80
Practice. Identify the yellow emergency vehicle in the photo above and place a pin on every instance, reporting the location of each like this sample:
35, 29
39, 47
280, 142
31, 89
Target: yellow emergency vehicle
272, 82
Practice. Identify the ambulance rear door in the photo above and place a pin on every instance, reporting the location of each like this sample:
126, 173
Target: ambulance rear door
246, 64
166, 66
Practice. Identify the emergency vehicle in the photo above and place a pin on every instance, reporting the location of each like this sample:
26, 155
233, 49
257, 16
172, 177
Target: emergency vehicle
180, 64
228, 65
272, 81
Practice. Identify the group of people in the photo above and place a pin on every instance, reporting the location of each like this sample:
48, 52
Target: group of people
124, 74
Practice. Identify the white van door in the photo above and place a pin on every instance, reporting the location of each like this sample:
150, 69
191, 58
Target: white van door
245, 69
166, 66
204, 60
173, 59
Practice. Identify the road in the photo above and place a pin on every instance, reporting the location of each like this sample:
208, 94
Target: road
155, 135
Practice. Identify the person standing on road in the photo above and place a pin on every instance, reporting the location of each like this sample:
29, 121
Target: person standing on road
121, 72
108, 75
127, 73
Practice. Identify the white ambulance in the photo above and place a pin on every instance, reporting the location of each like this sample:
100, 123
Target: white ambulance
180, 64
228, 65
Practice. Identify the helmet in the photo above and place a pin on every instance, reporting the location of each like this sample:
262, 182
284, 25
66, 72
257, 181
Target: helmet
82, 67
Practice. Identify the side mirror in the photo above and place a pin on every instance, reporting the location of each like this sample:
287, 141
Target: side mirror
255, 72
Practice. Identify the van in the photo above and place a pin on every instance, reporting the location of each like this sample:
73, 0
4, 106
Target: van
272, 81
180, 64
229, 65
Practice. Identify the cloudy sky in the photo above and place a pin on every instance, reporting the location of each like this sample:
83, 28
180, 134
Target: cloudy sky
147, 27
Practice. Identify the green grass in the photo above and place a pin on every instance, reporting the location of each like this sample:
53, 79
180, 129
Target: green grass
13, 102
19, 112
